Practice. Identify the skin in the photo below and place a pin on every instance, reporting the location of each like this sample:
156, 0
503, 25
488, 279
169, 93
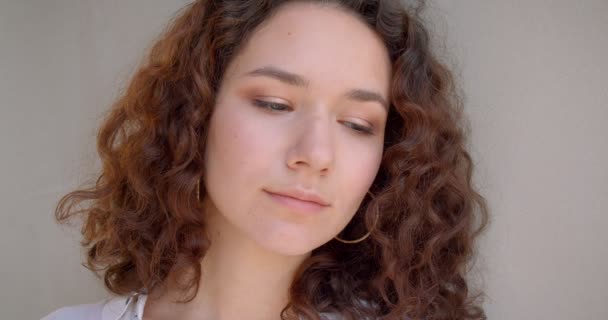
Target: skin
258, 243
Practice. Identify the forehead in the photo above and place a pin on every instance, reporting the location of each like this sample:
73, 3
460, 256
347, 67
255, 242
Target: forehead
331, 47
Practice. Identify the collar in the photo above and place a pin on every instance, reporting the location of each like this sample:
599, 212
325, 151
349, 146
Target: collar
125, 307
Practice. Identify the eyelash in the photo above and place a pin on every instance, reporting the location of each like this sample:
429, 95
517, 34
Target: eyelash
269, 106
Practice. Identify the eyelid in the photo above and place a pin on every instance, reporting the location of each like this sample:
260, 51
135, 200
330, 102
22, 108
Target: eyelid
364, 129
366, 122
265, 104
271, 99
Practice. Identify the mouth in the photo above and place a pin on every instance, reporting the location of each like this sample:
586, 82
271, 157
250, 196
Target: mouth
296, 204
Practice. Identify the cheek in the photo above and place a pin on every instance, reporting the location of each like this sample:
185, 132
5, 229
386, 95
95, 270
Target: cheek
360, 167
238, 149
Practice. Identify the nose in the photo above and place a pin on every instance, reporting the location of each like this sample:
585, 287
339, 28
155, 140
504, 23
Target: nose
313, 148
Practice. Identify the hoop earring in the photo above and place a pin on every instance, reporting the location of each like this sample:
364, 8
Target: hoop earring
198, 189
364, 236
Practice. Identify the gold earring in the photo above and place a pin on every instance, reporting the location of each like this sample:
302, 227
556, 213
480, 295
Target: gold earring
198, 189
364, 236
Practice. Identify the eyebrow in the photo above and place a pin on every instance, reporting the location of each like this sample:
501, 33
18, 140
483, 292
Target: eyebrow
362, 95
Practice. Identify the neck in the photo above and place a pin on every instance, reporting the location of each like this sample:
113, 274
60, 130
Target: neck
242, 280
239, 280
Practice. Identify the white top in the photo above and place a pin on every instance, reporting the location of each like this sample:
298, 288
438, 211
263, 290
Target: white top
129, 307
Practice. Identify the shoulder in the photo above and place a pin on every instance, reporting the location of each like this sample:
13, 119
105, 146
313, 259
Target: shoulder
111, 308
89, 311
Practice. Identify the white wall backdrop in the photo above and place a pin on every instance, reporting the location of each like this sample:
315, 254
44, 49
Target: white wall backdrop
534, 74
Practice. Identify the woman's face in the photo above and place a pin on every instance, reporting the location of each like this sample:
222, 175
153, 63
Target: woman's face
299, 108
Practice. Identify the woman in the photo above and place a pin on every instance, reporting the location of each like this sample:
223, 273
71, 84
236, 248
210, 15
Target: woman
283, 160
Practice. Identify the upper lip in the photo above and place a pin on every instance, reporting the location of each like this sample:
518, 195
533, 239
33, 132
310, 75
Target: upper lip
302, 194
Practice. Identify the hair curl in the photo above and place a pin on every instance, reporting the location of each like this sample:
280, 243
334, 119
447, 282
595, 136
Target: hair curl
143, 223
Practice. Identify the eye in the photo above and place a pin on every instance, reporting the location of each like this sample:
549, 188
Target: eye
364, 130
272, 106
277, 107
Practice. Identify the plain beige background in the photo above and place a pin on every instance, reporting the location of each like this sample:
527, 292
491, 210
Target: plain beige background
535, 77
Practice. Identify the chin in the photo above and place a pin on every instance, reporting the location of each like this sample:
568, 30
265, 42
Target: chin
291, 246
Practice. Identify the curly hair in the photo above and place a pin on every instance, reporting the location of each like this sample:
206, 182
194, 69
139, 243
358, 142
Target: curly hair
143, 224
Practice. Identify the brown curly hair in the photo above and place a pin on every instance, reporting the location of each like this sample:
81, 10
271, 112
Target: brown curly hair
143, 221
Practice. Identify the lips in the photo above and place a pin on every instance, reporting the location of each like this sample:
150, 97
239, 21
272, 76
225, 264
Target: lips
302, 195
298, 200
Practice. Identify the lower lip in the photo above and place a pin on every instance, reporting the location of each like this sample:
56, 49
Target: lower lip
296, 204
